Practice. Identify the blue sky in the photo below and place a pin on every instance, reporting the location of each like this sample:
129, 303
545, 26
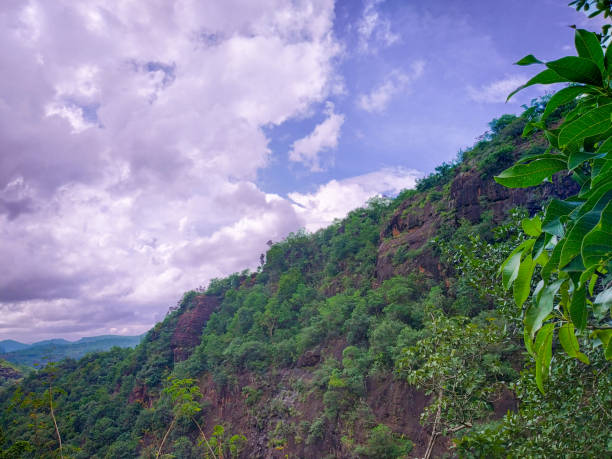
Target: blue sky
147, 147
464, 48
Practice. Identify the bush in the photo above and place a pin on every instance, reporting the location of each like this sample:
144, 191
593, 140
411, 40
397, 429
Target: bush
384, 444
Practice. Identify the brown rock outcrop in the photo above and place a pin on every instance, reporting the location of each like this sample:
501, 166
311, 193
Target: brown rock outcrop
188, 331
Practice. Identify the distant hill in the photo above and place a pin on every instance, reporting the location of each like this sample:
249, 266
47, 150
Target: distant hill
53, 350
9, 345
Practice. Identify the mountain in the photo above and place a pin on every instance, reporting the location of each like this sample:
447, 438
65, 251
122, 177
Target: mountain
53, 350
9, 345
385, 335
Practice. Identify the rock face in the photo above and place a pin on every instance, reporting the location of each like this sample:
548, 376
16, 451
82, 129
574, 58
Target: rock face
8, 374
415, 223
188, 331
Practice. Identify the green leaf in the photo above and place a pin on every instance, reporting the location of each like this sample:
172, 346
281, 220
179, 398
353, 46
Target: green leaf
522, 284
573, 240
577, 70
562, 97
541, 307
541, 243
528, 60
596, 199
569, 342
532, 226
547, 76
605, 336
543, 351
587, 45
556, 209
601, 169
528, 343
578, 312
553, 262
510, 269
605, 146
526, 175
576, 158
593, 122
597, 244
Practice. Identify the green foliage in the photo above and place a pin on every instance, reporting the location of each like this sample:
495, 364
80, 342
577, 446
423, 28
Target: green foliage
384, 444
570, 420
452, 363
443, 174
570, 246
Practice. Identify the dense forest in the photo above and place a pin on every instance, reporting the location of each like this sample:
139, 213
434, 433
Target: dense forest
391, 333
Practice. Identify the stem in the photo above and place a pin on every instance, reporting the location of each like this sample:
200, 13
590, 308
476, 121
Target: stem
164, 439
59, 437
204, 437
434, 433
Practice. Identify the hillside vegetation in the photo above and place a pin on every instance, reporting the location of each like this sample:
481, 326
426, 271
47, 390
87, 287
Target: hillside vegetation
385, 335
41, 352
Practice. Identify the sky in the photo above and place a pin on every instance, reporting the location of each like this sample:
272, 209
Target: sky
147, 147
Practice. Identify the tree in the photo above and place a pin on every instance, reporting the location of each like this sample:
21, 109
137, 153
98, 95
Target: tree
569, 249
184, 394
454, 363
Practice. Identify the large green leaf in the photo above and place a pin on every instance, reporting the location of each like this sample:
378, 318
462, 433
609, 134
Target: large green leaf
553, 262
540, 307
556, 209
543, 351
532, 226
605, 146
578, 312
593, 122
576, 158
575, 236
587, 45
568, 340
531, 174
577, 70
562, 97
547, 76
595, 199
522, 284
601, 169
597, 244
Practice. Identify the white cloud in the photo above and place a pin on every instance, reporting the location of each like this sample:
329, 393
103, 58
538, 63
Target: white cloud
373, 29
496, 91
128, 161
397, 82
323, 138
338, 197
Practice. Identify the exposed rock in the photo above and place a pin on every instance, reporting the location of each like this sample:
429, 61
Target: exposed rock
188, 331
309, 358
414, 223
8, 374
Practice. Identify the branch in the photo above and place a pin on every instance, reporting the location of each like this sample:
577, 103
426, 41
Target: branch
59, 438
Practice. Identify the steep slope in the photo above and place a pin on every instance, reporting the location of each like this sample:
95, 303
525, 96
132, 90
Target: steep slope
317, 353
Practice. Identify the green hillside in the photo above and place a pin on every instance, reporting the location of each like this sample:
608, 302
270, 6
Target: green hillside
384, 335
42, 352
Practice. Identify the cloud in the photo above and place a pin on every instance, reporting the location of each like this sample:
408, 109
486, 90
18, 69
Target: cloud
374, 31
338, 197
323, 138
496, 91
397, 82
127, 165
